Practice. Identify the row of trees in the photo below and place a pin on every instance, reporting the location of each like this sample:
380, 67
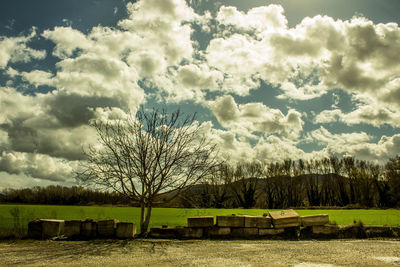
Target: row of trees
61, 195
323, 182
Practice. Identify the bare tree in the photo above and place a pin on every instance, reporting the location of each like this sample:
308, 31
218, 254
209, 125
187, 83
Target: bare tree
146, 155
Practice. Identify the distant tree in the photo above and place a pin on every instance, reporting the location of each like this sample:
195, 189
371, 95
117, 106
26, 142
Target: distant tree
148, 154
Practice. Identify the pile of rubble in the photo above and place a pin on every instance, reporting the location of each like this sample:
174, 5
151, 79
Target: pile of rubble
77, 229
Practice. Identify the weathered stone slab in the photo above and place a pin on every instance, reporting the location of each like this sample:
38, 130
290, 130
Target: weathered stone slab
202, 221
163, 232
244, 232
219, 232
72, 228
190, 233
88, 229
230, 221
325, 230
266, 232
378, 231
35, 229
351, 231
285, 218
257, 221
125, 230
52, 228
311, 220
106, 228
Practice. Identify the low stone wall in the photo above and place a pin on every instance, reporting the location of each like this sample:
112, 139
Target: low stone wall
285, 224
80, 230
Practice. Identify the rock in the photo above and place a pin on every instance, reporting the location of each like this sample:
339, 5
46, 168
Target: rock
268, 232
378, 231
163, 232
230, 221
244, 232
285, 218
257, 221
35, 229
125, 230
190, 232
72, 229
106, 228
312, 220
328, 230
88, 229
52, 228
218, 232
202, 221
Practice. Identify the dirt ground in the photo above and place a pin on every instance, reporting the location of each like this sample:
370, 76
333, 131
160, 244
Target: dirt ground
200, 253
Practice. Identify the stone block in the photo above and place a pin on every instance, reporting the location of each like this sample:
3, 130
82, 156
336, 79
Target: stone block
125, 230
163, 232
244, 232
72, 228
378, 231
285, 218
230, 221
52, 228
257, 221
202, 221
35, 229
190, 232
218, 232
314, 220
106, 228
329, 230
267, 232
351, 231
88, 229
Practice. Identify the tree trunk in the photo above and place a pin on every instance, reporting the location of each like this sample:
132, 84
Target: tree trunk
146, 221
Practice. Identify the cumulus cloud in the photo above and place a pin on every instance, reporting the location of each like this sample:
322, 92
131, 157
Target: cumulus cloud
256, 117
15, 49
37, 165
358, 145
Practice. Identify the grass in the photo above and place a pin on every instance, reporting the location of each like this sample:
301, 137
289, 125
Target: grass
15, 218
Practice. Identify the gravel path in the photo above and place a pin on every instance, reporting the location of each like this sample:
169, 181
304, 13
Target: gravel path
200, 253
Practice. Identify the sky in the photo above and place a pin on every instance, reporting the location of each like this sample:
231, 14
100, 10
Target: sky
269, 80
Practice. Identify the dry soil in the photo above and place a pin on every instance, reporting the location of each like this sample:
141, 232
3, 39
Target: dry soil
200, 253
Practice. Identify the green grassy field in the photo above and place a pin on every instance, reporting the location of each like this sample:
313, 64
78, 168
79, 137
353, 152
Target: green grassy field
16, 217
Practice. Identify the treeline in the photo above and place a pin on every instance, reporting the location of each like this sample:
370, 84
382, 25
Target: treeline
61, 195
345, 182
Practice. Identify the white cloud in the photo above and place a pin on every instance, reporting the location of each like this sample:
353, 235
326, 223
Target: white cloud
256, 117
15, 49
358, 145
37, 166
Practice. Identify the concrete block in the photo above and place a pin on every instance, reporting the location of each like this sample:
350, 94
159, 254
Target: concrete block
125, 230
312, 220
378, 231
230, 221
265, 232
72, 228
163, 232
190, 232
285, 218
35, 229
88, 229
244, 232
219, 232
106, 228
257, 221
202, 221
52, 228
325, 230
